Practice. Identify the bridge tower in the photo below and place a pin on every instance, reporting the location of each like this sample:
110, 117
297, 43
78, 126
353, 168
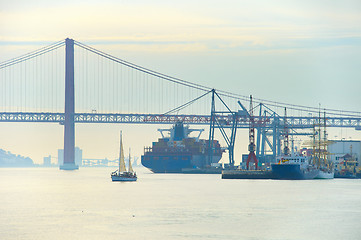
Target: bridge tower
69, 126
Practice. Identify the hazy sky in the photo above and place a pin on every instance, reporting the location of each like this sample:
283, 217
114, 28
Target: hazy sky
301, 52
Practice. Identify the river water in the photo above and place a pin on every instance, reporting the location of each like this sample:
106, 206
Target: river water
46, 203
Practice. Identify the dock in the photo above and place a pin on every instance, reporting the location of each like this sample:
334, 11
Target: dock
247, 174
202, 170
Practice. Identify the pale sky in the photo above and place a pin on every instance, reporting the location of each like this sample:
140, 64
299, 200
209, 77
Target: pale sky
301, 52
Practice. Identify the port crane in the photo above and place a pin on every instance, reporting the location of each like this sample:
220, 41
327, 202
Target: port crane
222, 125
252, 146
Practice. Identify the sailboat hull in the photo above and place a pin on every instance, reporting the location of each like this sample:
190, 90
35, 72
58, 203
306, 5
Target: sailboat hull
123, 179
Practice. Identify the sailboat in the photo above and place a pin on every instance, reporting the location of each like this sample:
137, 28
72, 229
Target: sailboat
122, 174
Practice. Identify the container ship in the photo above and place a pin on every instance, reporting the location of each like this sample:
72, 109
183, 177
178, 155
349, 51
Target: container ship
179, 152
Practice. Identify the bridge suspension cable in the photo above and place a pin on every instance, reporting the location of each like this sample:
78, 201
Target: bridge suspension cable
142, 69
56, 45
33, 54
186, 104
220, 92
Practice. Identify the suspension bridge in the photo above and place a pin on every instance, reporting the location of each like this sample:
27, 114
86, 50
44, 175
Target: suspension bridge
101, 88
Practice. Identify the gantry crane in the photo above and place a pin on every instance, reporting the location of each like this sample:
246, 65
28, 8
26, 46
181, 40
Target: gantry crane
251, 146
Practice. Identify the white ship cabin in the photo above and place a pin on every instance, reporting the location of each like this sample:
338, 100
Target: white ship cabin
293, 159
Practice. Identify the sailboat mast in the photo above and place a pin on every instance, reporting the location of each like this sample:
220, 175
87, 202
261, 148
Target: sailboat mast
130, 163
129, 166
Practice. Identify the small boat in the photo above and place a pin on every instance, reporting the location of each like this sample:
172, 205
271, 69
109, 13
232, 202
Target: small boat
348, 168
121, 174
346, 173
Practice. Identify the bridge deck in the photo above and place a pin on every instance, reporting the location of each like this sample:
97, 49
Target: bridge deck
226, 120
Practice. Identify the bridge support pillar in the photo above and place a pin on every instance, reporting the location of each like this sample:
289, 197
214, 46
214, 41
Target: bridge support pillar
69, 127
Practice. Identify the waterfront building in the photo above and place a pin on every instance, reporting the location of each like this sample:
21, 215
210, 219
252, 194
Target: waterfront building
344, 149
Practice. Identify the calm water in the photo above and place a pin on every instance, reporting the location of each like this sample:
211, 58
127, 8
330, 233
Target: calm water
85, 204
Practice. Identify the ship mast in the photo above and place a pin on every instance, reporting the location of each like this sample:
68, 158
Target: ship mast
130, 163
314, 144
121, 156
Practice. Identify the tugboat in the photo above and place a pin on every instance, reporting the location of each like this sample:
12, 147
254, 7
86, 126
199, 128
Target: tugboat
348, 167
121, 174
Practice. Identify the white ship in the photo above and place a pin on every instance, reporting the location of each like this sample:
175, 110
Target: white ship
325, 173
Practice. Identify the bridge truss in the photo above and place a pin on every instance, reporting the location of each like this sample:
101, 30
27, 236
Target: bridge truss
227, 120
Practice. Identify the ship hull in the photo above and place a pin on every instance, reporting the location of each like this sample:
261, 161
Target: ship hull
123, 176
174, 163
345, 175
293, 172
325, 175
123, 179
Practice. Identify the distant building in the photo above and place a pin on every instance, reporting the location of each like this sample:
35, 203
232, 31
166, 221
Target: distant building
60, 157
78, 156
47, 161
8, 159
306, 152
341, 162
344, 149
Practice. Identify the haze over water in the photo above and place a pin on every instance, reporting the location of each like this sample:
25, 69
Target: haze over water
40, 203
